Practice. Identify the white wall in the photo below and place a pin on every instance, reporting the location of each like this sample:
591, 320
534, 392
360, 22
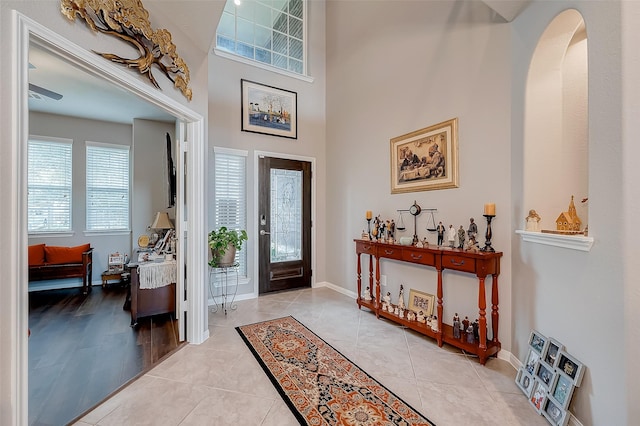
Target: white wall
395, 67
225, 130
577, 297
81, 131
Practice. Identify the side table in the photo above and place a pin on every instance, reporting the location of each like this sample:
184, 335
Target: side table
222, 291
110, 275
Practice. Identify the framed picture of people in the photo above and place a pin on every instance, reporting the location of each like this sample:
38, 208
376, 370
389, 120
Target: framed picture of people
425, 159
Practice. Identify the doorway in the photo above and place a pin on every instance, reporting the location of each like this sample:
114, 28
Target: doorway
284, 223
193, 308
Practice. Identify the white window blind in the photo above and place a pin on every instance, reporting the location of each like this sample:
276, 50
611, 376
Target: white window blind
49, 186
231, 197
107, 187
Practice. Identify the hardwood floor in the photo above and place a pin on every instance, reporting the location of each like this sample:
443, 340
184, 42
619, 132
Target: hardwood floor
82, 349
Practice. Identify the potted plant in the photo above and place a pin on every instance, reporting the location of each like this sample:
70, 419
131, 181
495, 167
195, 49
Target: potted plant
223, 243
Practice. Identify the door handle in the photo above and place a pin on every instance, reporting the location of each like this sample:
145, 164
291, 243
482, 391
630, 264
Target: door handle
263, 232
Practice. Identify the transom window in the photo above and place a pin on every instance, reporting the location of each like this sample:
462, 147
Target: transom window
267, 31
107, 187
49, 189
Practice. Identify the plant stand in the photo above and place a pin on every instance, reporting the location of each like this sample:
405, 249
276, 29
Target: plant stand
222, 291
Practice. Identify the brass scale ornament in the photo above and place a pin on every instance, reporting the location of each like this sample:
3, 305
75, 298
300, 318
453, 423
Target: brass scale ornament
129, 21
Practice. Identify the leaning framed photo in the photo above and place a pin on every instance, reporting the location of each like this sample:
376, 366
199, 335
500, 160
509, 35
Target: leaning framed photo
545, 373
571, 367
537, 341
524, 382
425, 159
269, 110
561, 390
550, 352
538, 395
553, 413
419, 301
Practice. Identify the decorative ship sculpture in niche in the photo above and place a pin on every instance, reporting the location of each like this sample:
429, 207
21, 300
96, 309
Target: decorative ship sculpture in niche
129, 21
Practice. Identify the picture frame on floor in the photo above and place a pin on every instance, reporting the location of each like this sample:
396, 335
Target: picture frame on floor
553, 413
571, 367
550, 352
538, 394
524, 381
269, 110
561, 390
545, 373
537, 341
531, 362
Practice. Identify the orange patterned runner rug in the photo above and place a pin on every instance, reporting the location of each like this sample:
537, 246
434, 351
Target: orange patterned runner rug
319, 384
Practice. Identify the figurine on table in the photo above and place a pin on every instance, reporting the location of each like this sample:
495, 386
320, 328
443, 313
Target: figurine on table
456, 325
470, 338
476, 328
420, 317
465, 324
451, 236
533, 221
434, 324
367, 294
386, 301
461, 237
376, 228
392, 231
411, 316
472, 245
440, 229
473, 229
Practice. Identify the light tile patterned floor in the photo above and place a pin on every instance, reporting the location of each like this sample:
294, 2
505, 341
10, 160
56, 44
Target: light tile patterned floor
220, 383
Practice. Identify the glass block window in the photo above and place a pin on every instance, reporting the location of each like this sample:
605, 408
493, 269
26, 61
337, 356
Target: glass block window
49, 189
267, 31
107, 187
230, 189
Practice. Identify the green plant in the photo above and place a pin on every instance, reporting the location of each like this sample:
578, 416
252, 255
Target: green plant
222, 238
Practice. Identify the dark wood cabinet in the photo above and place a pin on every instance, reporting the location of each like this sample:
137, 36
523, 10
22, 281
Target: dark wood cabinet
147, 302
480, 263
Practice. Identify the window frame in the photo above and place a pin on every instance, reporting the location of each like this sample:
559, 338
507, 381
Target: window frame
88, 187
61, 141
224, 53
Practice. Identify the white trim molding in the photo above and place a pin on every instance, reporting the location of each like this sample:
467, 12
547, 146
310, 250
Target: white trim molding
572, 242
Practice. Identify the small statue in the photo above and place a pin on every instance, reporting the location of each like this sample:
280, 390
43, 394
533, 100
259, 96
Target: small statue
392, 230
461, 237
401, 304
472, 245
533, 221
434, 324
425, 243
396, 311
411, 316
386, 301
456, 326
476, 327
465, 324
470, 338
420, 317
367, 294
364, 235
428, 321
401, 312
473, 229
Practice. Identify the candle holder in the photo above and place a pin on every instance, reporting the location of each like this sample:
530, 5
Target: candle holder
369, 228
488, 234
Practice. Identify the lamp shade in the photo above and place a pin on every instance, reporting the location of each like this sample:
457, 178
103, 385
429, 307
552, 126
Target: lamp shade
161, 221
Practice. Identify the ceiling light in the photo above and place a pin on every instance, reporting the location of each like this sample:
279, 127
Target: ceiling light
236, 2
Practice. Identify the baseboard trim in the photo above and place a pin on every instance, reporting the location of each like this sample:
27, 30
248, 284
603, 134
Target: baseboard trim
341, 290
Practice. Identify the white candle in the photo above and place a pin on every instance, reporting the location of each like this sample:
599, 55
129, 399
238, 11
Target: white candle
490, 209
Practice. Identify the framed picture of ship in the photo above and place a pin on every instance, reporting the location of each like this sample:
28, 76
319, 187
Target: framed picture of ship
269, 110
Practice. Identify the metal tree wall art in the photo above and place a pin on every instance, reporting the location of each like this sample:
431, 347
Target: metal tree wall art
129, 21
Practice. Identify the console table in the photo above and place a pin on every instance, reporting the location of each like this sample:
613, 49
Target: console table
479, 263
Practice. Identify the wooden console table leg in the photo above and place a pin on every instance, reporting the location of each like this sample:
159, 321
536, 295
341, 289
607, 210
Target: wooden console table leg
377, 283
359, 269
495, 316
440, 308
482, 323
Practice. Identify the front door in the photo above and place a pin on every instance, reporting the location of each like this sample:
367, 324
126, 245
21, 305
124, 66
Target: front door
284, 224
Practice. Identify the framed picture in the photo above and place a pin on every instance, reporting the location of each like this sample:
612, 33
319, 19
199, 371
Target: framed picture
116, 262
524, 381
550, 352
531, 363
554, 414
419, 301
561, 390
538, 395
571, 367
544, 373
269, 110
537, 341
425, 159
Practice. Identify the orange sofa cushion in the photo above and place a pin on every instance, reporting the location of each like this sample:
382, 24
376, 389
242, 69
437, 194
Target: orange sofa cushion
36, 254
55, 255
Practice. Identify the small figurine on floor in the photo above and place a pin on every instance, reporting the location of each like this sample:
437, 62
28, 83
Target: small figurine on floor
456, 326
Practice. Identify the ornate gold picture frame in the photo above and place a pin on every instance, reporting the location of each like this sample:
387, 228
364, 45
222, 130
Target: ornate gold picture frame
420, 301
425, 159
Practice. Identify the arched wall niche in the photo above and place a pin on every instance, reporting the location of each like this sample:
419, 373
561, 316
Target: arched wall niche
556, 140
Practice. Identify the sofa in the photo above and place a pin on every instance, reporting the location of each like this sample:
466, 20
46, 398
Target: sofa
57, 262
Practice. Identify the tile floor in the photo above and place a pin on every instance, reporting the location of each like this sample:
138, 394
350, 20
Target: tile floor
220, 383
